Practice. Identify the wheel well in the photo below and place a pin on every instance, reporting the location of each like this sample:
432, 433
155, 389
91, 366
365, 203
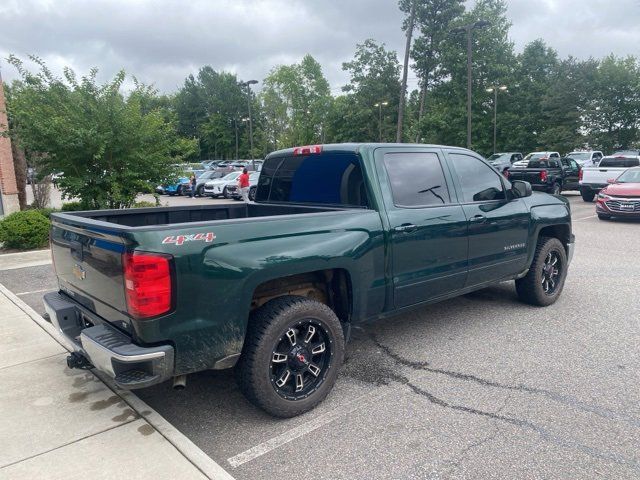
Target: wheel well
561, 232
331, 287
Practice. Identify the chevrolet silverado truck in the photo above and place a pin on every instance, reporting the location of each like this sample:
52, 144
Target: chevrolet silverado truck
594, 179
337, 235
549, 175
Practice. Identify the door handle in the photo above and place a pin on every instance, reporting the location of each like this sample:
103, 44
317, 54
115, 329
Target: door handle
478, 219
406, 228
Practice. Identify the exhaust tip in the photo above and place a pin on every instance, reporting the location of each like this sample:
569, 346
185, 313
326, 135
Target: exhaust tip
180, 382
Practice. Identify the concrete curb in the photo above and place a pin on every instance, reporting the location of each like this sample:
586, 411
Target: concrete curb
185, 446
31, 258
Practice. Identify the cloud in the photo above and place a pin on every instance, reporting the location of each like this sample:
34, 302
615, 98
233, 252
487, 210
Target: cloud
162, 41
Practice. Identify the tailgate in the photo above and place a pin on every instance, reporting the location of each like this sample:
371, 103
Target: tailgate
598, 175
88, 264
528, 175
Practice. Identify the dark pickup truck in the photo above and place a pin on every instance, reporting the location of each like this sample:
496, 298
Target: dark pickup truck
549, 175
338, 234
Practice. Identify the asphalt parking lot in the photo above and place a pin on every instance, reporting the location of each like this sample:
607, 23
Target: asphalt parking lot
480, 386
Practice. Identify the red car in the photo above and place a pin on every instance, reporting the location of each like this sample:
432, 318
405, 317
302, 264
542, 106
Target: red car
621, 198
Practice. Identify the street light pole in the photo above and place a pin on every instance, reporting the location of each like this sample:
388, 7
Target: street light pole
495, 89
379, 105
468, 29
248, 84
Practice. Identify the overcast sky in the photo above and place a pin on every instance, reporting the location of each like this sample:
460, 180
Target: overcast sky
162, 41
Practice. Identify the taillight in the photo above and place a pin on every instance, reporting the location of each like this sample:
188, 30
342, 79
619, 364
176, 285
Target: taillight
307, 150
580, 175
147, 283
543, 175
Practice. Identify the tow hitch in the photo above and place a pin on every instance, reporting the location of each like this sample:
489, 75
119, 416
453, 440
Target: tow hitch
75, 360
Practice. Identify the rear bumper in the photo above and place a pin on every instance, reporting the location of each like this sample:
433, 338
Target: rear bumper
107, 348
595, 187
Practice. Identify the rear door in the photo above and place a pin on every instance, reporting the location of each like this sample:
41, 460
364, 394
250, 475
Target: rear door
428, 228
498, 225
88, 263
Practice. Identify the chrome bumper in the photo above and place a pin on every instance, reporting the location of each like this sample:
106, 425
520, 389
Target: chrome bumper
107, 348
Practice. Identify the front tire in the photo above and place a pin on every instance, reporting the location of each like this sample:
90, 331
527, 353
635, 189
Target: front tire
200, 191
544, 282
225, 193
252, 194
587, 195
291, 356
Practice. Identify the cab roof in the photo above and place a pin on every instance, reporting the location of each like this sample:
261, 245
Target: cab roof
358, 147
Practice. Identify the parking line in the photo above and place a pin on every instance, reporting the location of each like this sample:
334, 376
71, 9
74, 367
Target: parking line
299, 431
584, 218
36, 291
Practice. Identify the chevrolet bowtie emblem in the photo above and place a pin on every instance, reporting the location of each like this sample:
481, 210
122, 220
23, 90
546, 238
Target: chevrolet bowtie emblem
79, 272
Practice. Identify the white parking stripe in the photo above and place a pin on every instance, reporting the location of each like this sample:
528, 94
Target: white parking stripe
36, 291
584, 218
299, 431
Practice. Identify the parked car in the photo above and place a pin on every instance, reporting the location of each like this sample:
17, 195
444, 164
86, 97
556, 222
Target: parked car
621, 198
626, 153
594, 179
535, 156
176, 188
202, 179
216, 188
586, 159
275, 286
549, 175
503, 161
234, 191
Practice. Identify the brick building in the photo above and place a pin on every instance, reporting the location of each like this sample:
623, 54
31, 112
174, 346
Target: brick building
8, 187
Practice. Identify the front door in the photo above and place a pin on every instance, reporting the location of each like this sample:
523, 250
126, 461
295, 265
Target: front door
571, 171
498, 223
428, 228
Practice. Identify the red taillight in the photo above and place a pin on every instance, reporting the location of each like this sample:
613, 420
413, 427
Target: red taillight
580, 175
307, 150
506, 173
543, 175
147, 283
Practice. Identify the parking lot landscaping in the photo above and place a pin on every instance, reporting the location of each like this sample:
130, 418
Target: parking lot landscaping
480, 386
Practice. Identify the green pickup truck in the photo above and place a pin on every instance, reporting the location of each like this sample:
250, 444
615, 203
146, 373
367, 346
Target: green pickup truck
338, 234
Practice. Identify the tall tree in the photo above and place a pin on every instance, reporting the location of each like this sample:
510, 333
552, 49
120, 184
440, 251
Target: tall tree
107, 147
374, 79
434, 21
296, 100
408, 26
612, 115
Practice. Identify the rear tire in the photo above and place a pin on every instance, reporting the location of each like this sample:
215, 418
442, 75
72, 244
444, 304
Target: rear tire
544, 282
556, 189
252, 194
200, 191
604, 217
279, 341
587, 195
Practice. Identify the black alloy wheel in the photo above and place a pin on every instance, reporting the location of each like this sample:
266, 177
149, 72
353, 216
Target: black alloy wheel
300, 360
551, 269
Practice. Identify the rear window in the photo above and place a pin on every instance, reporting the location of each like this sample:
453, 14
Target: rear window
543, 164
623, 162
329, 178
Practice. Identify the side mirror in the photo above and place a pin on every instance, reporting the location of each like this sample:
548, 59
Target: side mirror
611, 180
521, 189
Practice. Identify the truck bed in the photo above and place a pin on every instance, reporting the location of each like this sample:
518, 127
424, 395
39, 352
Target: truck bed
158, 216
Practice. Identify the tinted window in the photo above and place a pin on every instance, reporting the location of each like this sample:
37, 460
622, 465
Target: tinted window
619, 162
416, 179
329, 178
478, 181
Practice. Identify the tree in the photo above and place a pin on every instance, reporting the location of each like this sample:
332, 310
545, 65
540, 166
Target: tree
434, 20
374, 78
296, 100
107, 147
612, 114
408, 26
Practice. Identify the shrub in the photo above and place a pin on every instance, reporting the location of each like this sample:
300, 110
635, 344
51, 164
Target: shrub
73, 207
44, 211
25, 230
143, 204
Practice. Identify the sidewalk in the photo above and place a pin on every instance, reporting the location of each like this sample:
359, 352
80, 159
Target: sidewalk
61, 423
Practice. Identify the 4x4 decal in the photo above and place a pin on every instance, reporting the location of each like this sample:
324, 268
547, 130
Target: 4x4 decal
196, 237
